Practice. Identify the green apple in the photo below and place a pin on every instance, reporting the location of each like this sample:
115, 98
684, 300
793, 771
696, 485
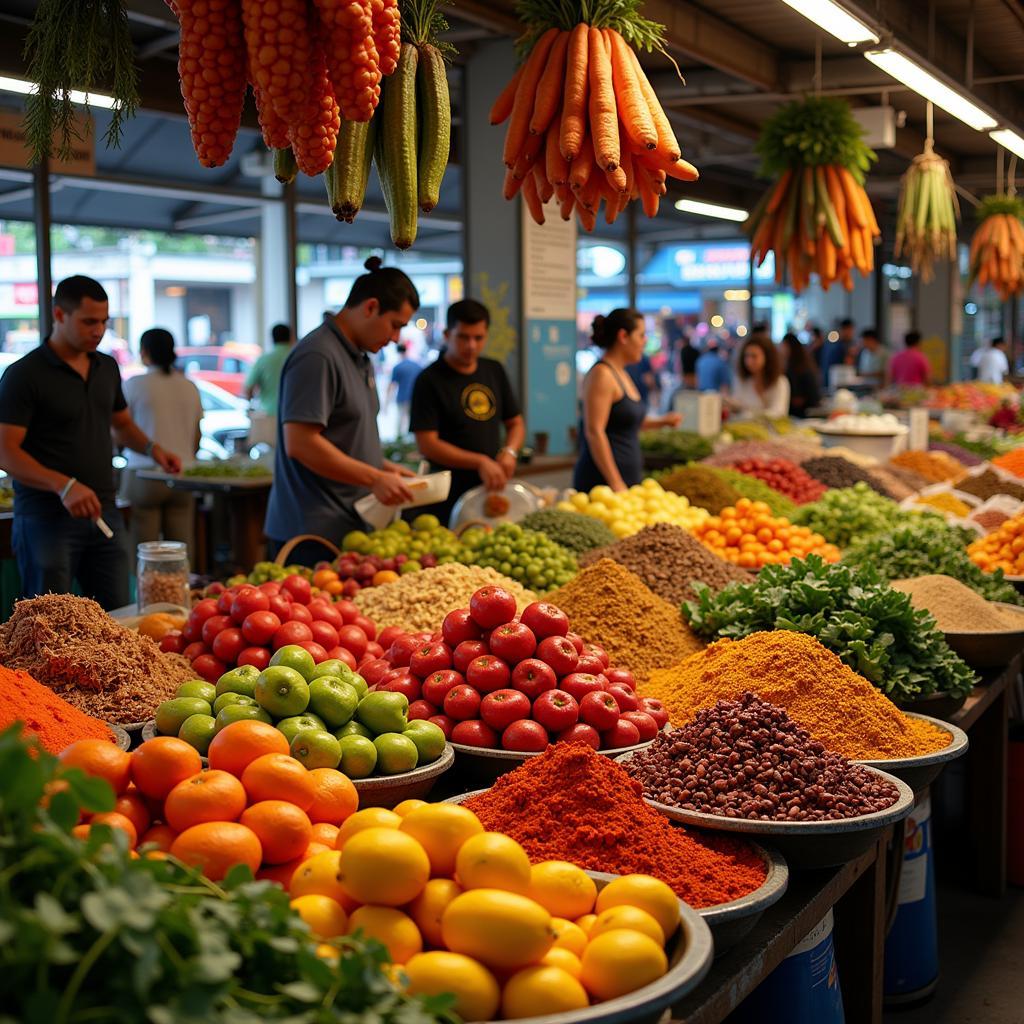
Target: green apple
198, 688
358, 756
291, 727
241, 713
226, 699
333, 700
295, 657
172, 713
383, 712
336, 667
429, 740
197, 731
316, 748
282, 691
239, 680
395, 753
353, 728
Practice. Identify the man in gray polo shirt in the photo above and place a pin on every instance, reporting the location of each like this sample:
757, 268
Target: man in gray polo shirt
328, 449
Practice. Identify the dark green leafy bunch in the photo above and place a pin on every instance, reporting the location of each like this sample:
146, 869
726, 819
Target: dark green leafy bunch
853, 612
927, 547
77, 44
808, 133
996, 204
622, 15
89, 935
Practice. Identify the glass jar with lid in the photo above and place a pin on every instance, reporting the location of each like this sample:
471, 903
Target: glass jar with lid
163, 572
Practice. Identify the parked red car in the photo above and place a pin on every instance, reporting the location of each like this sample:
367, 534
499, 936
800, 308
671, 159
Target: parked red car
223, 365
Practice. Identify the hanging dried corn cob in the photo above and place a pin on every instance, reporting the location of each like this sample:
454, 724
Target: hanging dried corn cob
817, 218
313, 137
928, 211
280, 47
997, 249
352, 58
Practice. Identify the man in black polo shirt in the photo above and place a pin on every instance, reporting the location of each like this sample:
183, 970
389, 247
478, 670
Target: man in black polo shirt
460, 404
61, 408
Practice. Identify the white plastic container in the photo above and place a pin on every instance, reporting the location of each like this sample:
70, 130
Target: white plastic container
426, 490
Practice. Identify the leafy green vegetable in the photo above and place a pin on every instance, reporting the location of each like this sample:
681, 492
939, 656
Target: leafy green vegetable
227, 470
848, 514
853, 612
1000, 204
927, 547
622, 15
88, 934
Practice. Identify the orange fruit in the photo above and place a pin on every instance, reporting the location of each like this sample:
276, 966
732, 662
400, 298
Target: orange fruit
81, 832
283, 830
441, 829
325, 834
645, 892
217, 846
542, 991
427, 909
119, 822
395, 931
102, 759
326, 917
559, 956
279, 777
160, 836
314, 848
318, 876
406, 806
134, 808
161, 763
619, 962
208, 796
336, 798
237, 745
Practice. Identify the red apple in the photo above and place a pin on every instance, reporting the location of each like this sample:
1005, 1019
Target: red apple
420, 710
556, 710
352, 637
173, 642
621, 677
226, 600
598, 651
214, 625
270, 588
429, 658
318, 651
299, 613
462, 702
193, 631
492, 606
368, 626
373, 671
344, 654
488, 673
207, 667
579, 684
291, 633
590, 663
297, 587
513, 642
466, 652
458, 625
203, 610
576, 640
622, 734
525, 735
437, 685
388, 635
259, 627
280, 605
324, 634
257, 656
401, 681
473, 734
444, 723
581, 733
322, 611
599, 709
228, 644
655, 709
559, 653
193, 651
533, 676
374, 649
545, 619
503, 707
247, 601
646, 726
401, 650
625, 698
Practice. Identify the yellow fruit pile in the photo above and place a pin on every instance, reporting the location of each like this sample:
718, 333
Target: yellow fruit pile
1002, 549
628, 512
506, 936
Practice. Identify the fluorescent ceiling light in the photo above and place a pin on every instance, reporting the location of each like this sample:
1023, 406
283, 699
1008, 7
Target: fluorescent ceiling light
711, 210
1009, 140
23, 88
834, 20
925, 84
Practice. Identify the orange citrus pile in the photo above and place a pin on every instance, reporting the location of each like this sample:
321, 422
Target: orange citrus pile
749, 536
1002, 549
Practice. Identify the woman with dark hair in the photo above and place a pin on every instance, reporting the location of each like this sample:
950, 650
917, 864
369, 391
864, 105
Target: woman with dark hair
613, 411
802, 375
167, 407
760, 389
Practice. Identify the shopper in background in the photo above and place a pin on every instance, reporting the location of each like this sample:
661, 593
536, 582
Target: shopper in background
462, 404
167, 406
328, 454
688, 356
613, 412
871, 359
61, 410
910, 368
712, 371
760, 389
993, 366
264, 380
838, 352
802, 374
816, 346
403, 377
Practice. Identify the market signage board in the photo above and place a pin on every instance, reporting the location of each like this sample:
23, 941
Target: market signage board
14, 151
549, 326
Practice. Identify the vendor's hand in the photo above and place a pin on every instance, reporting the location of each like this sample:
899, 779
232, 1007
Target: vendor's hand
492, 474
167, 461
388, 489
82, 503
619, 487
507, 461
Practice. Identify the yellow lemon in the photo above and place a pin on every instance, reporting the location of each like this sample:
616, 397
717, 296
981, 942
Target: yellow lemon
476, 992
327, 952
634, 918
621, 961
326, 917
383, 866
647, 893
396, 931
491, 860
538, 991
501, 929
568, 935
318, 876
585, 923
426, 910
441, 829
370, 817
557, 956
406, 806
562, 888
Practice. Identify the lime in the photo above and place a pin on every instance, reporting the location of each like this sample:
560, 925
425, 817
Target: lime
295, 657
239, 680
241, 713
291, 727
197, 731
198, 688
172, 713
358, 756
395, 753
353, 728
227, 699
316, 748
282, 691
428, 738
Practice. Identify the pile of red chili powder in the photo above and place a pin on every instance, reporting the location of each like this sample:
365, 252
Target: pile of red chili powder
570, 803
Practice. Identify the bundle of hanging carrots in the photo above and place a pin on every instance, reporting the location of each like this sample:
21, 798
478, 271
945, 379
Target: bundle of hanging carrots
997, 249
584, 123
817, 218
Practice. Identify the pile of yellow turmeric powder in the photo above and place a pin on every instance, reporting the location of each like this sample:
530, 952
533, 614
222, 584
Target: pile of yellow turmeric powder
836, 706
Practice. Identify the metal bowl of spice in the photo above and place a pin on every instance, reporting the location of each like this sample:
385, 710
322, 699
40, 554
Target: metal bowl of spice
121, 737
921, 771
990, 649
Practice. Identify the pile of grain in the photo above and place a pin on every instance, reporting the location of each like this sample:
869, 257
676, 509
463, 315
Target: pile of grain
701, 486
669, 561
611, 606
958, 608
72, 646
419, 601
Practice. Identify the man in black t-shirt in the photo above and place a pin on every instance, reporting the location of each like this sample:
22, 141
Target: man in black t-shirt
460, 404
